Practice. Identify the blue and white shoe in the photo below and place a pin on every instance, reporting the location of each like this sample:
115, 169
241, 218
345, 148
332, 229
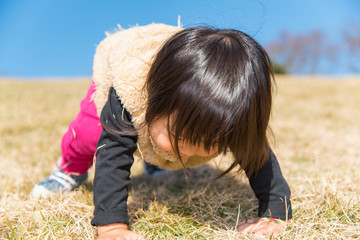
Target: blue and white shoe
155, 171
57, 182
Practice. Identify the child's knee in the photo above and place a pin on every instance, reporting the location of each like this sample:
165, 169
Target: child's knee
82, 136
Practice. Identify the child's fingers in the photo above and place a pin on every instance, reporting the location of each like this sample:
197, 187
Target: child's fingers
250, 220
263, 228
246, 222
138, 237
254, 227
267, 230
241, 227
249, 228
121, 234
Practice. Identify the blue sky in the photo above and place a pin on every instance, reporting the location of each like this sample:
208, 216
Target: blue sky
59, 37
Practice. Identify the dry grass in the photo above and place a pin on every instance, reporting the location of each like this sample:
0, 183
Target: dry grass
317, 130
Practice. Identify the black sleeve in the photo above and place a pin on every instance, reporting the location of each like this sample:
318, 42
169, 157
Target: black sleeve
113, 162
272, 190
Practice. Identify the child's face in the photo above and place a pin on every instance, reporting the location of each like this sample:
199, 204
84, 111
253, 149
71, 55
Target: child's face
160, 136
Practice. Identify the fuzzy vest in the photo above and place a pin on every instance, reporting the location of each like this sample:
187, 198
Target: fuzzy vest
122, 60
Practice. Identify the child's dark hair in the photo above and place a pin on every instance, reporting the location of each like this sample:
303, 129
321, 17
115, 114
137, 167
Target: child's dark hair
218, 85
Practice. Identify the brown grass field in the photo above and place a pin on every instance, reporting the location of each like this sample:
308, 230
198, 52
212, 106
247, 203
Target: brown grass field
316, 123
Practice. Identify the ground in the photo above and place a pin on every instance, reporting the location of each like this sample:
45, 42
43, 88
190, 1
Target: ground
316, 129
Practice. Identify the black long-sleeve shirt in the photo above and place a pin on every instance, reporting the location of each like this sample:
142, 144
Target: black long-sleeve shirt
115, 158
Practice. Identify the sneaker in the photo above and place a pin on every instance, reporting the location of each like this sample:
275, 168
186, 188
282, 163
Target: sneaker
57, 182
155, 171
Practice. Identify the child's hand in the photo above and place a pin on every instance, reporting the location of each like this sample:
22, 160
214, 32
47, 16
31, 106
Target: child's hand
118, 231
262, 226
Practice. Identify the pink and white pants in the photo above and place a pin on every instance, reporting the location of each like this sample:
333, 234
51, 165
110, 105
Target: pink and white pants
78, 145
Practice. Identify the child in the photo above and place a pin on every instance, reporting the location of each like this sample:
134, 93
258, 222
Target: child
178, 98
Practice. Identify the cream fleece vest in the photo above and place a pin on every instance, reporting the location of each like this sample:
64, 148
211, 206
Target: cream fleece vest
122, 60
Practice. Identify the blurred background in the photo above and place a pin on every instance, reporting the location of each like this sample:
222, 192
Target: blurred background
46, 38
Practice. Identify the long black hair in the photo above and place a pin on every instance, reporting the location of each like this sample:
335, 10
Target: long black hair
218, 84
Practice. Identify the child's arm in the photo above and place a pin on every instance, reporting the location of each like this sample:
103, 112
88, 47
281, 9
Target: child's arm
113, 163
273, 193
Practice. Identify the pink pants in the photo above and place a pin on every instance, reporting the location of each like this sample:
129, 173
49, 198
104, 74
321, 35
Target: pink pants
79, 142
